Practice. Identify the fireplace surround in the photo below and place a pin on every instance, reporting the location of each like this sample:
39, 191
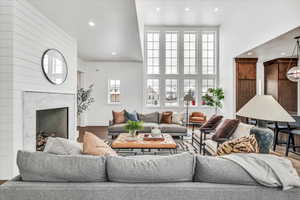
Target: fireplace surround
63, 104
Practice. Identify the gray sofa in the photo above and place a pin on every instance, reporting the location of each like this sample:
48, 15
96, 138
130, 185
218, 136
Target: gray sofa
183, 176
150, 121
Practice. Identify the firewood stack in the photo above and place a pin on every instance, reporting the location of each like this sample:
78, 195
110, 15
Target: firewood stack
41, 140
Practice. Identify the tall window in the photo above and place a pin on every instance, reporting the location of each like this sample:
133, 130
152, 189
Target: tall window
179, 60
208, 53
207, 83
171, 98
114, 91
152, 52
171, 53
190, 85
189, 53
152, 98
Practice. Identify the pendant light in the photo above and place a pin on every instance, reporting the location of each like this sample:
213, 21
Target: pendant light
294, 73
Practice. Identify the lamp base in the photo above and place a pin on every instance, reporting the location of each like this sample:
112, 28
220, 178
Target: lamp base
264, 138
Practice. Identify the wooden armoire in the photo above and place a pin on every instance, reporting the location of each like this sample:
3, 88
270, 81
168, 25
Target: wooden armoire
277, 84
245, 80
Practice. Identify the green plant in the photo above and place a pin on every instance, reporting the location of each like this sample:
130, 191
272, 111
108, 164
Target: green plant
134, 125
84, 99
213, 98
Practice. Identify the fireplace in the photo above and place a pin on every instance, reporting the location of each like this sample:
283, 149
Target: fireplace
50, 122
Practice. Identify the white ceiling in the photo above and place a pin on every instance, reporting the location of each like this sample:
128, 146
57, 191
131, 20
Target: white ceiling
281, 46
116, 28
172, 12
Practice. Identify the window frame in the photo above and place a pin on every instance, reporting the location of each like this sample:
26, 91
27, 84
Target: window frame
162, 76
108, 92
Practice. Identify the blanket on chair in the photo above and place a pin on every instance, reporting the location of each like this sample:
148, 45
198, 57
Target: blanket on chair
267, 170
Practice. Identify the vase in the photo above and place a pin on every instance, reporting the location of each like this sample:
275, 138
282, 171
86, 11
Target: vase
155, 132
132, 133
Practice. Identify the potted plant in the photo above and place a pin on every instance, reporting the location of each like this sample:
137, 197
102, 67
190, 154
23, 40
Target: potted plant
133, 126
214, 98
84, 99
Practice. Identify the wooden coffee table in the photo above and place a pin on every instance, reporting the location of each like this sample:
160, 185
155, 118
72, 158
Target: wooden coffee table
124, 141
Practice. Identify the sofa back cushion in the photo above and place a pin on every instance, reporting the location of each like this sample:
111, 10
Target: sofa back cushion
45, 167
151, 117
151, 169
226, 129
218, 170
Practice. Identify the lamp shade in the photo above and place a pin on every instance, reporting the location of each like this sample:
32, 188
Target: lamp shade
265, 107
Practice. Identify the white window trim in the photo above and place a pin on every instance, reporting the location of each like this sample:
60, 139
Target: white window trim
181, 76
108, 94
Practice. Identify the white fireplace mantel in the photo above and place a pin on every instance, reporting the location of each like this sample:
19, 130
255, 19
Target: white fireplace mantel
34, 101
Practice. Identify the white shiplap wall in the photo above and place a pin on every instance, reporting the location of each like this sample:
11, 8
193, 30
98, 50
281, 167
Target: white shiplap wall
32, 34
6, 86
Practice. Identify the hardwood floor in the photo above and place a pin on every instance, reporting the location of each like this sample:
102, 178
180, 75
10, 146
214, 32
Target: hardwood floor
1, 182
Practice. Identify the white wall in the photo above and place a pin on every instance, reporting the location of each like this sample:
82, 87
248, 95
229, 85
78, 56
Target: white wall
253, 23
130, 75
32, 33
6, 87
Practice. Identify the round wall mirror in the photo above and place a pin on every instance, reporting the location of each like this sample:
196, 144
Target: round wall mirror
54, 66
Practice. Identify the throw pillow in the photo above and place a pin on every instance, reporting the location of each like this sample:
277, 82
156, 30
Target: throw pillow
247, 144
62, 146
131, 116
150, 118
177, 118
92, 145
226, 129
119, 117
213, 121
166, 118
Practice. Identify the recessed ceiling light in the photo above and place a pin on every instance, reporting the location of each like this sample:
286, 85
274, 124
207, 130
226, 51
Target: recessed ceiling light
91, 23
187, 9
250, 53
216, 9
283, 53
157, 9
113, 53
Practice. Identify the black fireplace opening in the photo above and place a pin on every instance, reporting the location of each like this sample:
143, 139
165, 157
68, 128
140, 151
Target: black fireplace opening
51, 123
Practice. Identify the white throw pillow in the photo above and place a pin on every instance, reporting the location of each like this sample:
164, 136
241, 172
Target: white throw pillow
62, 146
177, 118
242, 130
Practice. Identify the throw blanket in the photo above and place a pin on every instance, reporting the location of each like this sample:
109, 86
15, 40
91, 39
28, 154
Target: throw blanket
267, 170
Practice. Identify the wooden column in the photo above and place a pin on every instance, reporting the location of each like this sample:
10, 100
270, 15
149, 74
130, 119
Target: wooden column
245, 80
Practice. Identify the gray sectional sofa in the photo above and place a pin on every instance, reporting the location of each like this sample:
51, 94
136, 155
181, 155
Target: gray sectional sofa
150, 120
46, 176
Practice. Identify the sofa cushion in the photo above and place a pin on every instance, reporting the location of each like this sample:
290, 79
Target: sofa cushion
92, 145
62, 146
226, 129
151, 117
119, 117
45, 167
172, 128
218, 170
117, 128
151, 169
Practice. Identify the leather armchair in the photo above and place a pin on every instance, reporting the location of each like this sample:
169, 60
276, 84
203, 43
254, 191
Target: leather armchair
197, 117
